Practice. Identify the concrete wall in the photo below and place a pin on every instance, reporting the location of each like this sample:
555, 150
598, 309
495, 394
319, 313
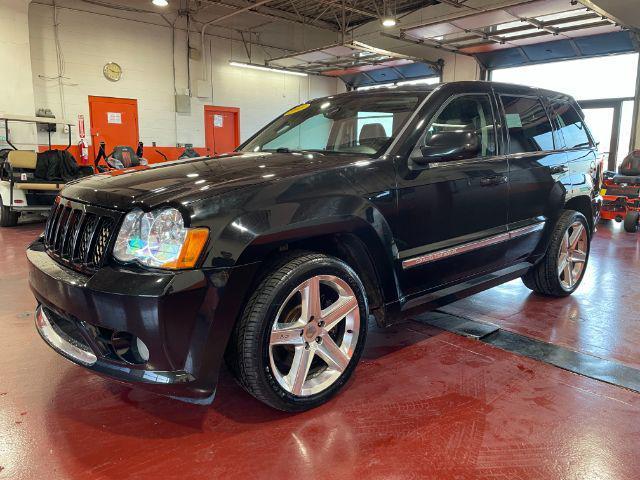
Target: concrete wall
144, 50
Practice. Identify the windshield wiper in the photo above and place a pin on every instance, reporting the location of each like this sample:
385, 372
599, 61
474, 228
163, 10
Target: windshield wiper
289, 150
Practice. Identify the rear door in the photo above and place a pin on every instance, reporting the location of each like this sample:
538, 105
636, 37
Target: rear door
450, 212
578, 144
538, 170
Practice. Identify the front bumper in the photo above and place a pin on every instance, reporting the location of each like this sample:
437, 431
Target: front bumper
183, 318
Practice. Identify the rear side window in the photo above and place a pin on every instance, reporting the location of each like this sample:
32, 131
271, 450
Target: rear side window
528, 123
571, 127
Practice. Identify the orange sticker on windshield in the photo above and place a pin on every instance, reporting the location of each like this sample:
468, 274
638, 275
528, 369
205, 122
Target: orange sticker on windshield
297, 109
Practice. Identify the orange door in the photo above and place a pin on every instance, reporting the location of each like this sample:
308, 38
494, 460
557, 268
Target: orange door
113, 121
222, 129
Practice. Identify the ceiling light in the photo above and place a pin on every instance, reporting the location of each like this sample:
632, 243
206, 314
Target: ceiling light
389, 18
160, 3
389, 22
267, 69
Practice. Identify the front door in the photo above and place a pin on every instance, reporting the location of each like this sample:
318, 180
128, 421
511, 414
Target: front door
221, 129
113, 121
452, 213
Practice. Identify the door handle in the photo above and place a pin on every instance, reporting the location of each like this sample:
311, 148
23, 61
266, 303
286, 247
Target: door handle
493, 180
559, 169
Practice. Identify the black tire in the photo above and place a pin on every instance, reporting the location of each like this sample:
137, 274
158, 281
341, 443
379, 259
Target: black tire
543, 278
7, 217
631, 222
248, 352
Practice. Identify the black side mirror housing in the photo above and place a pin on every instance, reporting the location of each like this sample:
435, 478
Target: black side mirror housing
452, 145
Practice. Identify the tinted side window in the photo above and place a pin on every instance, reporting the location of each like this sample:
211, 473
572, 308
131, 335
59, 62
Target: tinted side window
529, 126
571, 126
471, 113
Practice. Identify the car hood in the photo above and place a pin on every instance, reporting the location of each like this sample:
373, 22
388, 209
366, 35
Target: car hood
186, 181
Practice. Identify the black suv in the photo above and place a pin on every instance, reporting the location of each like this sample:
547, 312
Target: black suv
365, 205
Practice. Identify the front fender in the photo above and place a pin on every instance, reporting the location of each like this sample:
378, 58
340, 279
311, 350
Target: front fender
254, 235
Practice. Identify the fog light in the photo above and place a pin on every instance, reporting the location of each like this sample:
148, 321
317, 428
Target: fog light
129, 348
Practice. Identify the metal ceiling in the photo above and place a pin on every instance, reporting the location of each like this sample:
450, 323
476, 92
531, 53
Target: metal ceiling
347, 13
476, 31
341, 59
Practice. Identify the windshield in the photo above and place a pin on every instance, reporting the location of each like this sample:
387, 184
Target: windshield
359, 124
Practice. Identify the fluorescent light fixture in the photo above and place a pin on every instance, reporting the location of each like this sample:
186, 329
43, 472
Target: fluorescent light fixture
160, 3
267, 69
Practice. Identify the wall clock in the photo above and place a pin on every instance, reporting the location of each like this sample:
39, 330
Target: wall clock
112, 71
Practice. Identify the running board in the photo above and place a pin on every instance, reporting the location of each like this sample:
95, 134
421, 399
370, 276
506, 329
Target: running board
465, 288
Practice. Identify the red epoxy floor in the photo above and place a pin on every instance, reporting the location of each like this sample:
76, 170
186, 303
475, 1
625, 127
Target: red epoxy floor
601, 318
422, 404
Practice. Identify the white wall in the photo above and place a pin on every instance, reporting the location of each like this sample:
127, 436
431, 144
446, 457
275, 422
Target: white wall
16, 90
89, 40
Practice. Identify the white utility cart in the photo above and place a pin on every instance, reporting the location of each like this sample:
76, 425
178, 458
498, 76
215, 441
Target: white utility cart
20, 191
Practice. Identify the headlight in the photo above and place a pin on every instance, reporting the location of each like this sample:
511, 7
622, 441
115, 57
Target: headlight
159, 239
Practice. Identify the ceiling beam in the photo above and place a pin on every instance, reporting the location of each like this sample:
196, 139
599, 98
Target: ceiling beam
603, 13
349, 8
426, 43
276, 14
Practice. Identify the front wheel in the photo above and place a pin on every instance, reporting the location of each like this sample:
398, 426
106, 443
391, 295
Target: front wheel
631, 221
561, 270
7, 217
301, 333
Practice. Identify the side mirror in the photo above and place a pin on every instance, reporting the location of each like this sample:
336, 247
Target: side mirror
452, 145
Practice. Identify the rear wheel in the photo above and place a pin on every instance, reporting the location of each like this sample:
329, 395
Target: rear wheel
301, 333
562, 269
7, 217
631, 221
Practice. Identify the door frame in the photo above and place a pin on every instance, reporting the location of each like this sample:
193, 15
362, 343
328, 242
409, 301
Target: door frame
117, 100
236, 116
616, 104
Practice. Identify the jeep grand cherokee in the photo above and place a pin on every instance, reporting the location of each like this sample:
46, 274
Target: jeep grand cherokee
374, 204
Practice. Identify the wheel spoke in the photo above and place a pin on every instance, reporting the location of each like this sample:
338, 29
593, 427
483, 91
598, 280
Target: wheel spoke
576, 235
288, 334
311, 299
578, 256
299, 369
562, 262
568, 274
332, 315
565, 241
329, 351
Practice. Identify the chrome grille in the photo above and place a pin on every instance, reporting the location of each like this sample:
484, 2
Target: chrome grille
79, 236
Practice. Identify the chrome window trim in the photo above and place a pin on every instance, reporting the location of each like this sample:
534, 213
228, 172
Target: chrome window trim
470, 246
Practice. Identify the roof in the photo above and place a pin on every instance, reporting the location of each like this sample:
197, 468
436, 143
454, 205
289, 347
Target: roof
514, 88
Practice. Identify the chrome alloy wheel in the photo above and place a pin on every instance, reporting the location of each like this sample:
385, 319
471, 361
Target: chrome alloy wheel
572, 256
314, 335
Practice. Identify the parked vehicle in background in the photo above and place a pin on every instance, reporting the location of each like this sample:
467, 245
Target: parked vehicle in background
376, 204
25, 188
621, 193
